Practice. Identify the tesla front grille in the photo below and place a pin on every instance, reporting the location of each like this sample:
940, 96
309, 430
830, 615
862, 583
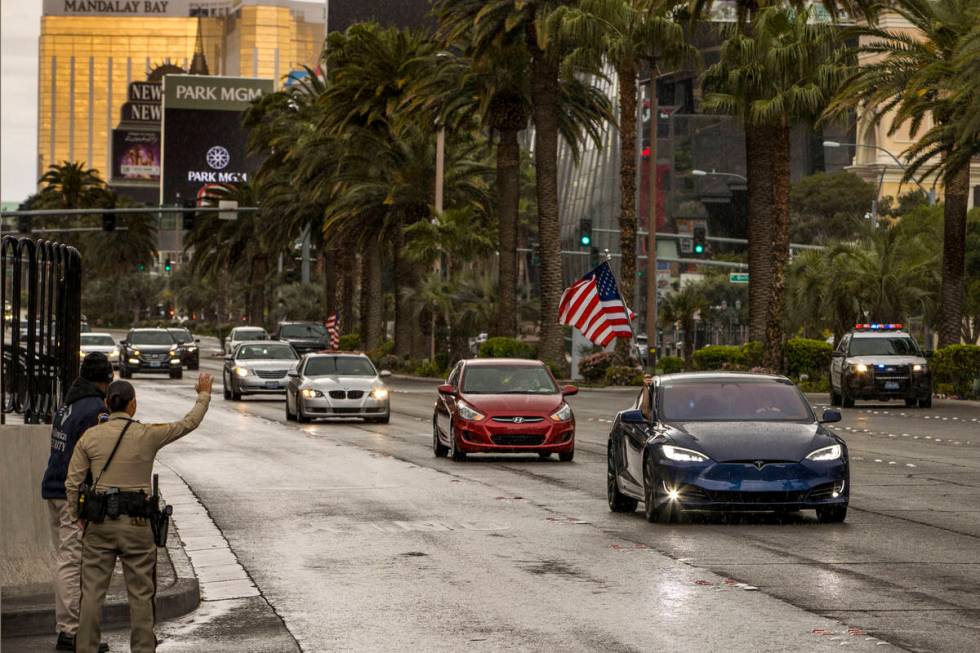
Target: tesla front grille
517, 440
518, 419
270, 374
724, 496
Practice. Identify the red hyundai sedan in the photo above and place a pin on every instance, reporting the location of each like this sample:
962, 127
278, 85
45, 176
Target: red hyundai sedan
502, 405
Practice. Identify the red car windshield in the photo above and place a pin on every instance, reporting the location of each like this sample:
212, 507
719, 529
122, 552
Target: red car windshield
508, 380
732, 401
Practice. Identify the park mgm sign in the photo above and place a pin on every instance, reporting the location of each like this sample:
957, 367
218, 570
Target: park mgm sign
204, 142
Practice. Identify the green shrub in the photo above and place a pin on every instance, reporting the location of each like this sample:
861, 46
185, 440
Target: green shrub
718, 357
442, 360
671, 364
350, 341
958, 366
501, 347
429, 369
388, 362
623, 375
815, 384
752, 354
593, 368
806, 356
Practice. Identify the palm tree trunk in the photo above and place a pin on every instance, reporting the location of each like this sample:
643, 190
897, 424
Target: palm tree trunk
758, 156
508, 187
954, 252
372, 319
773, 357
404, 281
545, 92
259, 273
328, 260
345, 287
627, 197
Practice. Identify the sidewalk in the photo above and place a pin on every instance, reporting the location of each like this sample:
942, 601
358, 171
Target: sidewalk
30, 610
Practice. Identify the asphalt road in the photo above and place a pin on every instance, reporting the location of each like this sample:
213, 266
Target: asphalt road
357, 538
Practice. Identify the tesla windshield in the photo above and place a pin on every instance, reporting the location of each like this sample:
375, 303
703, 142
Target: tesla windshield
150, 338
883, 347
732, 400
508, 380
95, 340
268, 352
339, 366
313, 331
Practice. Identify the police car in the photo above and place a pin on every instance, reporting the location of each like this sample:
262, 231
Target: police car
879, 362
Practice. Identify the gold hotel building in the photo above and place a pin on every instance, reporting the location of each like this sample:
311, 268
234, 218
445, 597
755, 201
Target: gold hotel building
90, 50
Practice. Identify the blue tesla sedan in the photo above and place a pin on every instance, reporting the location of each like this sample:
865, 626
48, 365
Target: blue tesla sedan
726, 441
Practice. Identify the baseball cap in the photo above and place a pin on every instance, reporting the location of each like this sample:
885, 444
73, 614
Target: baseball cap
96, 368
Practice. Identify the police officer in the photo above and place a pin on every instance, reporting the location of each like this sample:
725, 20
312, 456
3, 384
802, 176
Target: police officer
84, 403
129, 536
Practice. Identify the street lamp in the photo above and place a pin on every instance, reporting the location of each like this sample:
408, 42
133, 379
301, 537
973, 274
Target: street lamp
931, 194
715, 173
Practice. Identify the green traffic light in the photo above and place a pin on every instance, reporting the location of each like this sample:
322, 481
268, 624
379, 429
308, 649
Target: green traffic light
585, 240
699, 249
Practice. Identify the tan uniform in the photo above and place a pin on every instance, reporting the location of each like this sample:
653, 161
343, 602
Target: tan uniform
129, 538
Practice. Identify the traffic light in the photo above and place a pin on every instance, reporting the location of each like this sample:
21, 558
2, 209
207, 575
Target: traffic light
700, 241
108, 222
167, 265
189, 216
585, 233
141, 267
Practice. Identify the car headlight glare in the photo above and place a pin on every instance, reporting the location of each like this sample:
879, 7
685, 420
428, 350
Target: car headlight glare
241, 371
134, 361
469, 413
113, 355
833, 452
136, 352
379, 394
311, 393
861, 368
563, 414
682, 455
191, 347
919, 367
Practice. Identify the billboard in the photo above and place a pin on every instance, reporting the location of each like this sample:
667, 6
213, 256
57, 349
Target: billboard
135, 155
203, 138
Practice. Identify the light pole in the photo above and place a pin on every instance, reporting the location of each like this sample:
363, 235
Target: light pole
715, 173
931, 194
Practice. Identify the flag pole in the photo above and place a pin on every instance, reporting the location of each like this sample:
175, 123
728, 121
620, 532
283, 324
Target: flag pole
626, 309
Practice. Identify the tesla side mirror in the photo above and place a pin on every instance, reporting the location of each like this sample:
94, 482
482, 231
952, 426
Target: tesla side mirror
446, 389
633, 417
830, 416
384, 373
569, 390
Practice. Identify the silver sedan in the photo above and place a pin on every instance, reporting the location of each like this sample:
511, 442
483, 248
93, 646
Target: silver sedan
338, 385
258, 367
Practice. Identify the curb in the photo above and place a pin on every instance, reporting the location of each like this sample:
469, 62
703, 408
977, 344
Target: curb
178, 598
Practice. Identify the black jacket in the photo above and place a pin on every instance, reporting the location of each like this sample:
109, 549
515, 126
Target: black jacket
84, 403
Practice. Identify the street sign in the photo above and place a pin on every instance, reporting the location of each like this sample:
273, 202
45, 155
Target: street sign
738, 277
231, 215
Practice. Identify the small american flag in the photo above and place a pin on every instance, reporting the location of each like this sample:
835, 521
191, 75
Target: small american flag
334, 330
594, 306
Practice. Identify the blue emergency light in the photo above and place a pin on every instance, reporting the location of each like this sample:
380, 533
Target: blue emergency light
878, 327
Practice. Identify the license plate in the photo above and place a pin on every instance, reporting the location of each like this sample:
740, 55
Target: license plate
892, 385
155, 364
272, 385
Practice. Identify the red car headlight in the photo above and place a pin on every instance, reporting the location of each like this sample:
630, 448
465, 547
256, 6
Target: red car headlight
563, 414
469, 413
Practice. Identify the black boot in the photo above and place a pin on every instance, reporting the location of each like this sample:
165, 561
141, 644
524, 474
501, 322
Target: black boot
66, 642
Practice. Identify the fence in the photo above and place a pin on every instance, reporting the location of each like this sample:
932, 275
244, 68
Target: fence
40, 287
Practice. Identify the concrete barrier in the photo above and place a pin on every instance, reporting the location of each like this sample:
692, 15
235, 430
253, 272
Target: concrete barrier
26, 555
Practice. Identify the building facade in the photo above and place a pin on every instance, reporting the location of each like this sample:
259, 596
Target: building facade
90, 52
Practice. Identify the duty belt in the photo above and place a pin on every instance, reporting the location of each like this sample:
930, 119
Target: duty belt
132, 504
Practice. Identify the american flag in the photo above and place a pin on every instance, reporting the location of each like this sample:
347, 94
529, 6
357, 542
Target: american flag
594, 306
333, 329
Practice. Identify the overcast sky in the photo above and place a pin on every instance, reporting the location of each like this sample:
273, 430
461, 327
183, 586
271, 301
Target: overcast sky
20, 25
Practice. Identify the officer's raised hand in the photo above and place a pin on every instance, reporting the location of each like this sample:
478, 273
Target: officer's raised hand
204, 383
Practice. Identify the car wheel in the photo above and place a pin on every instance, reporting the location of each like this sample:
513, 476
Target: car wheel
124, 373
655, 514
438, 448
911, 403
544, 455
926, 403
834, 397
618, 502
196, 365
386, 418
567, 456
179, 374
290, 415
846, 400
300, 416
454, 451
226, 385
832, 514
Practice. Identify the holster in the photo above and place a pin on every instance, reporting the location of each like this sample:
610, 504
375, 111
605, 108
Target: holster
160, 525
91, 505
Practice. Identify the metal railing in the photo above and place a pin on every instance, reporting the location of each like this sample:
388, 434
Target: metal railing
40, 289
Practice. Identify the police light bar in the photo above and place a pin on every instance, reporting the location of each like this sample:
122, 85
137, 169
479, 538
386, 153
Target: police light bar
878, 327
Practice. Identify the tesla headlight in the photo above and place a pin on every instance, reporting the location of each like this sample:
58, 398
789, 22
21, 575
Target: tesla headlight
833, 452
311, 393
241, 371
860, 368
379, 394
682, 455
563, 414
469, 413
919, 367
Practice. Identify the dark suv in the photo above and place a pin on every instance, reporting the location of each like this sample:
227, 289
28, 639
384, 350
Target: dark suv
190, 354
150, 351
879, 362
305, 337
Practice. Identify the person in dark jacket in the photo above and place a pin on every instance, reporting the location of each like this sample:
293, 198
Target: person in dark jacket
84, 404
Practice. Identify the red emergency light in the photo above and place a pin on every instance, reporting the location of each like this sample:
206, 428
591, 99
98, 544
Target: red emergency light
877, 327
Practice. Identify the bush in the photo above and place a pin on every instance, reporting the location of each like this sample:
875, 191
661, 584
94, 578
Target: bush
752, 354
388, 362
805, 356
815, 384
593, 368
958, 366
350, 341
501, 347
429, 369
717, 357
671, 365
623, 375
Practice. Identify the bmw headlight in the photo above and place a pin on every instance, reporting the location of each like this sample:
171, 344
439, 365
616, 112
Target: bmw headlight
379, 394
311, 393
114, 355
563, 414
242, 371
469, 413
833, 452
682, 455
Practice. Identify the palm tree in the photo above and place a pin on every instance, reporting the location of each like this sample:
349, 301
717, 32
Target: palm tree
911, 79
785, 69
71, 186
